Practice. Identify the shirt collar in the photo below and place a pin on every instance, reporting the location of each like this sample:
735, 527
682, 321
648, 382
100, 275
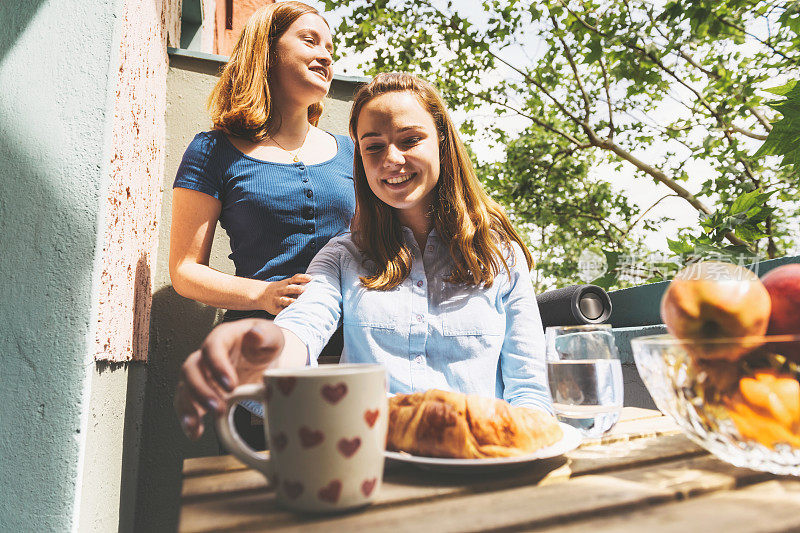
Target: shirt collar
409, 235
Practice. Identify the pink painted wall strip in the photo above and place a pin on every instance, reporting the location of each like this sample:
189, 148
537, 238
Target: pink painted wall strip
136, 171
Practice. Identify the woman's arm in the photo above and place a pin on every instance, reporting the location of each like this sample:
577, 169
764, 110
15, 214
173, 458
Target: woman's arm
194, 219
318, 311
239, 352
522, 357
233, 353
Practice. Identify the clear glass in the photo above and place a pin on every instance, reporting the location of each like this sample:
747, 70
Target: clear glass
700, 394
585, 377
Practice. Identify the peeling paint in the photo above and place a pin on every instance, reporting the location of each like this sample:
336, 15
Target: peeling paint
132, 204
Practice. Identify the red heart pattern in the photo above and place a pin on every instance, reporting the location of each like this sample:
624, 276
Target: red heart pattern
368, 486
293, 489
279, 441
334, 393
348, 447
286, 385
330, 493
370, 416
310, 437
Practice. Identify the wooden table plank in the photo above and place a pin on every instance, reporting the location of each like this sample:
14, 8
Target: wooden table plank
764, 507
406, 486
207, 476
225, 483
220, 493
400, 478
544, 506
202, 466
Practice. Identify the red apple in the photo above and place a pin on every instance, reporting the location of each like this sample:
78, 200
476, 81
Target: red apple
783, 286
713, 300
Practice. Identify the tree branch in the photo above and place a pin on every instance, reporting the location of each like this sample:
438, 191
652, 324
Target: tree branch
662, 178
713, 75
747, 133
533, 119
587, 106
539, 86
608, 99
700, 98
625, 233
760, 117
600, 220
755, 37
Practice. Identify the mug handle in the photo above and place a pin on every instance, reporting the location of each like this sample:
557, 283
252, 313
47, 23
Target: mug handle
231, 438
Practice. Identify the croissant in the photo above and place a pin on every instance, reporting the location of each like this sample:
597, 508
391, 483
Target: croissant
438, 423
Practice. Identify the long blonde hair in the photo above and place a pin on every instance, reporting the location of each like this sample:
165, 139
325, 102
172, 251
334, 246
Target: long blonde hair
240, 103
467, 220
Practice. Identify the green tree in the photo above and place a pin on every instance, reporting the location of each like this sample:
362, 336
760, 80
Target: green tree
609, 80
562, 211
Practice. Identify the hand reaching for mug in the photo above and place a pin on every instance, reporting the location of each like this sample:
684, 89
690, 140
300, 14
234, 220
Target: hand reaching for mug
232, 354
279, 295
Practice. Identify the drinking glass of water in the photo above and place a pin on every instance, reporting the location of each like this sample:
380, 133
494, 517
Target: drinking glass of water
585, 376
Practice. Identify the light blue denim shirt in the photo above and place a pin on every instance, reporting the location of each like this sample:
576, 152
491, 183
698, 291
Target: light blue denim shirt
428, 333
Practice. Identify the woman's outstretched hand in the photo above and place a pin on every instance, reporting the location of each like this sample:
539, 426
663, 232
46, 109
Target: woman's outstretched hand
232, 354
281, 294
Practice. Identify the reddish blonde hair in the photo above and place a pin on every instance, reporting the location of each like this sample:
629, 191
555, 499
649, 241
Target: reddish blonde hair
467, 220
240, 103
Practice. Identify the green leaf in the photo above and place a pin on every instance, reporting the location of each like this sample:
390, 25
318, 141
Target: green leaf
679, 247
783, 90
744, 202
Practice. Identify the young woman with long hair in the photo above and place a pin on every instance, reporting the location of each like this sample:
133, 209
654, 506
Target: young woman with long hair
433, 281
280, 186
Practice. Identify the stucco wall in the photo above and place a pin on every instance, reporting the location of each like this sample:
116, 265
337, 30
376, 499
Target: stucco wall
54, 125
81, 159
178, 325
130, 207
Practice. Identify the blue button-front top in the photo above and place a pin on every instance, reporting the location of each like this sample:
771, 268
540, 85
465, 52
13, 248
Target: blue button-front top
277, 215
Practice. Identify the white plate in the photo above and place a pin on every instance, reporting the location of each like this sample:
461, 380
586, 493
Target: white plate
571, 440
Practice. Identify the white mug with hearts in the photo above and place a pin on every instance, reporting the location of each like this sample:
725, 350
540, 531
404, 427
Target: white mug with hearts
326, 429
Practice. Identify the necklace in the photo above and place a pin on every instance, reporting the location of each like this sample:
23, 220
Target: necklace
294, 155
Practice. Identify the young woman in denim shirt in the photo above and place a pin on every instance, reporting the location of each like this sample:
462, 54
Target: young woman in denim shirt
433, 281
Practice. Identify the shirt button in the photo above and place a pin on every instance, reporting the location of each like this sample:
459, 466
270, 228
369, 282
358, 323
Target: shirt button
419, 359
420, 283
310, 230
301, 167
309, 193
420, 318
430, 248
308, 212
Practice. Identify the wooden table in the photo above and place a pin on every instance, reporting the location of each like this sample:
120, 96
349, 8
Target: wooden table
645, 476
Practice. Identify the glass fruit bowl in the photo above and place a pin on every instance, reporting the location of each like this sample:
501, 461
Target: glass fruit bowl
739, 398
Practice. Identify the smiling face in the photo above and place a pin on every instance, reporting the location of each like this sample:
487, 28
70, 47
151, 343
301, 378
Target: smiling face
399, 146
303, 69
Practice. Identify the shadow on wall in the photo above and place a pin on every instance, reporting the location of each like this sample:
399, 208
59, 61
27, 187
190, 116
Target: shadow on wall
15, 16
42, 337
134, 401
178, 326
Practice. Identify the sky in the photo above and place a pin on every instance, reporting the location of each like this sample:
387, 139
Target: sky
642, 192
